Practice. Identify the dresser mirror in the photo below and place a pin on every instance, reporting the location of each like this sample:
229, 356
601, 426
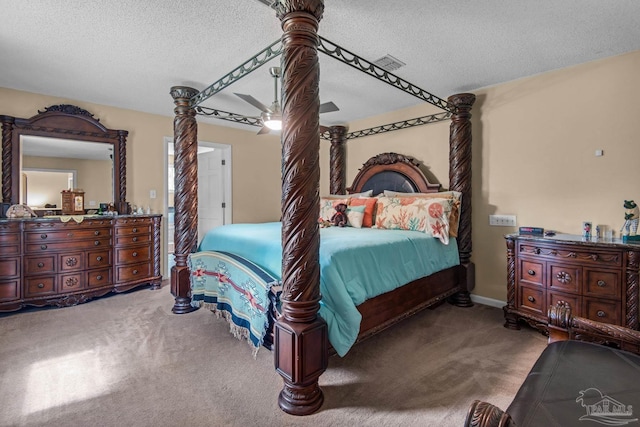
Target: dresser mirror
64, 143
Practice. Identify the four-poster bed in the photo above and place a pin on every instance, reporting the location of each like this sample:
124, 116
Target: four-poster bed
301, 345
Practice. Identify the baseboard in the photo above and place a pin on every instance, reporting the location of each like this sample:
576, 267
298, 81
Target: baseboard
488, 301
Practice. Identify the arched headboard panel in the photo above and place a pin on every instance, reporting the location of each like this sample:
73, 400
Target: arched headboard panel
392, 171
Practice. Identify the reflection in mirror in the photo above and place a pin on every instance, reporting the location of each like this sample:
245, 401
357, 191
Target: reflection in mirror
50, 165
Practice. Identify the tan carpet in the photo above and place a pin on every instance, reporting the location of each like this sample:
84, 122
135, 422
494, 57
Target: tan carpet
126, 360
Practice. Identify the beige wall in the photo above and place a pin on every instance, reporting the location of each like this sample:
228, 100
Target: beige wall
533, 154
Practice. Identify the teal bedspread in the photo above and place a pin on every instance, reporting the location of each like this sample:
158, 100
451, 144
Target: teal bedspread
355, 264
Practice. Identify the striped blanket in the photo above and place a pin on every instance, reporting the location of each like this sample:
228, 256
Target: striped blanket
235, 289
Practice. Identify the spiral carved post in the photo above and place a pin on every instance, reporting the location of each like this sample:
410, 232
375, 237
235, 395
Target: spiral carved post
337, 157
300, 334
185, 141
511, 321
633, 266
460, 180
7, 155
121, 180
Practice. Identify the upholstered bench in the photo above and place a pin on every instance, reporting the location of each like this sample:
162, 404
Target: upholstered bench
574, 382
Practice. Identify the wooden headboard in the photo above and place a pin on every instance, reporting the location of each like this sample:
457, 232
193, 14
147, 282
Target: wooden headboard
391, 171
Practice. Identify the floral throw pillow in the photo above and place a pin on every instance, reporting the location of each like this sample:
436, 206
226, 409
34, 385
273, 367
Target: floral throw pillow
456, 196
429, 215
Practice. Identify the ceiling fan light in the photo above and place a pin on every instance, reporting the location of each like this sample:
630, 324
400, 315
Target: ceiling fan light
273, 124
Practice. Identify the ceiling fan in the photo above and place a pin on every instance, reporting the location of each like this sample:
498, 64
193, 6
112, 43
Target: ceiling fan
272, 116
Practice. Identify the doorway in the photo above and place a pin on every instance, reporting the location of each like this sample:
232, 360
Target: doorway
214, 192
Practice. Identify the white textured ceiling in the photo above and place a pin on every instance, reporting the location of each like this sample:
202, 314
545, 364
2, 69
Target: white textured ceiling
128, 53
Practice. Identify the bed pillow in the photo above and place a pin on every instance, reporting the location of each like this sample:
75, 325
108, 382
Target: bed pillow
429, 215
369, 204
367, 193
355, 215
328, 206
456, 196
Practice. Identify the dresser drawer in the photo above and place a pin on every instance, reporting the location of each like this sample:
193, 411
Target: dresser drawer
97, 278
71, 261
603, 310
72, 244
9, 267
574, 301
135, 254
71, 234
99, 258
531, 272
37, 286
8, 250
133, 272
9, 239
565, 278
533, 299
132, 228
9, 290
71, 282
129, 239
602, 283
40, 265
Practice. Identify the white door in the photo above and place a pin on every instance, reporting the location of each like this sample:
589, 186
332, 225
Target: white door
211, 200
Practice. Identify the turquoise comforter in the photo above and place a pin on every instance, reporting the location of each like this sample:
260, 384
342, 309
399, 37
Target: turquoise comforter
355, 264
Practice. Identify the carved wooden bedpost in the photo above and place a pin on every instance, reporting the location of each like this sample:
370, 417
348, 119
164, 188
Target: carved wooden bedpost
460, 180
338, 162
632, 273
185, 140
121, 180
300, 334
7, 167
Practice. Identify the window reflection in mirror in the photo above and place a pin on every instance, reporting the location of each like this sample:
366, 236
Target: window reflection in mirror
50, 165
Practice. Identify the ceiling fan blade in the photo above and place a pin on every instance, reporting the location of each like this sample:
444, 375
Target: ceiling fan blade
263, 130
251, 100
328, 107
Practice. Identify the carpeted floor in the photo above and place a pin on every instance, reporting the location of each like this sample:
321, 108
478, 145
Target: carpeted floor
126, 360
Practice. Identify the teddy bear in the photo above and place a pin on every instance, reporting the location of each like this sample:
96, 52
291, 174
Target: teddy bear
339, 218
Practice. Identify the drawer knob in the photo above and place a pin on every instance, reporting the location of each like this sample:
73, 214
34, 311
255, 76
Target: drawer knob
135, 230
96, 243
69, 234
531, 272
531, 299
135, 271
601, 313
563, 277
43, 247
40, 264
41, 285
134, 254
99, 277
602, 283
43, 236
135, 239
96, 233
98, 258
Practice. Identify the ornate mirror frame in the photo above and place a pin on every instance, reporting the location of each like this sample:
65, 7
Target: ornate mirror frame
67, 122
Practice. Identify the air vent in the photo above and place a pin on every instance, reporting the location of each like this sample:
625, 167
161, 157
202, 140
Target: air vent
389, 63
271, 3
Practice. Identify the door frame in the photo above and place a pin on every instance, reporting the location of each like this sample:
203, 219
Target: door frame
227, 192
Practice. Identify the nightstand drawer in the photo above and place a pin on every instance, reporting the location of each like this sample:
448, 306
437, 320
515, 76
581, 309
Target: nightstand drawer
574, 301
602, 310
532, 299
565, 278
532, 272
602, 283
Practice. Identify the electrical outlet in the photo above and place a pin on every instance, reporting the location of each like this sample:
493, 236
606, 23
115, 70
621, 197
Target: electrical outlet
152, 194
502, 220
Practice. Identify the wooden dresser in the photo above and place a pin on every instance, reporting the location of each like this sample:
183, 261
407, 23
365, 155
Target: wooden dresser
46, 261
598, 279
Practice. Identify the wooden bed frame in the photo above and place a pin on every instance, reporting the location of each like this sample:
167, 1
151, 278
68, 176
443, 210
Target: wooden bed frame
301, 344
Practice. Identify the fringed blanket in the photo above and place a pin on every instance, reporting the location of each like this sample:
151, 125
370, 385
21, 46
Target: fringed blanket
234, 288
